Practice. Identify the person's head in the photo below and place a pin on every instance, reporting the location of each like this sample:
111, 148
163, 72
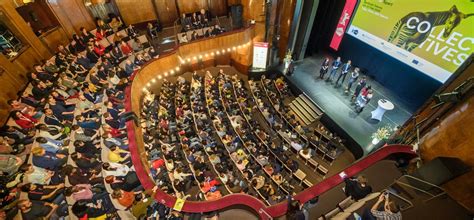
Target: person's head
27, 187
83, 30
109, 179
41, 140
16, 115
392, 207
78, 143
12, 102
26, 168
24, 205
349, 62
362, 180
117, 193
48, 111
76, 155
338, 59
114, 148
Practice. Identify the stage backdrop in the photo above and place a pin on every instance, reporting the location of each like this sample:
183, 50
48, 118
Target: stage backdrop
434, 37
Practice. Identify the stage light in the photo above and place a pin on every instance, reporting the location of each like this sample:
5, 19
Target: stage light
177, 68
153, 81
159, 76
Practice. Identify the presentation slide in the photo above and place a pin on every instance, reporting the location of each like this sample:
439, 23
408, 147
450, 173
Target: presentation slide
433, 36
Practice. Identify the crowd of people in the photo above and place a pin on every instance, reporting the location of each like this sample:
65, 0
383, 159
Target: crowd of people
198, 25
362, 93
66, 151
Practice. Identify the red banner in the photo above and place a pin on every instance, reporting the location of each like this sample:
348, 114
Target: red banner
342, 24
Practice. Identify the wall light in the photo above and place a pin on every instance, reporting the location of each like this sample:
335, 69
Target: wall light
166, 74
177, 68
159, 76
212, 54
153, 81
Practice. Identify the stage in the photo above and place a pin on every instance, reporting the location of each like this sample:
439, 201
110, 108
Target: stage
337, 105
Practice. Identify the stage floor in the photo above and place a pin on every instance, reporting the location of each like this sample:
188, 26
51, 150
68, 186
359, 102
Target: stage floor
337, 105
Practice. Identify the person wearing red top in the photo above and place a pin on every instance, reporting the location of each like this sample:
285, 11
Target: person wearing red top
126, 49
125, 198
25, 121
99, 49
99, 34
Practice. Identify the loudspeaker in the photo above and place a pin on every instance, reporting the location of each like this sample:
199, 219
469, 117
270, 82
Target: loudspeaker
441, 170
236, 13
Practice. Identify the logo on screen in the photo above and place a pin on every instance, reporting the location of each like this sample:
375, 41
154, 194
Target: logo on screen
355, 31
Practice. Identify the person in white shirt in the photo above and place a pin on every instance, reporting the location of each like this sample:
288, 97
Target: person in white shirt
36, 175
115, 169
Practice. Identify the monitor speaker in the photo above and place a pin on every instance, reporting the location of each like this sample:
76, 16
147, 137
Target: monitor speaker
236, 13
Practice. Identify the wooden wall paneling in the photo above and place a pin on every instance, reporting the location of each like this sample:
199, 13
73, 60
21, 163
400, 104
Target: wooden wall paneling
451, 135
190, 6
55, 37
16, 23
72, 15
218, 7
167, 12
253, 10
285, 26
136, 11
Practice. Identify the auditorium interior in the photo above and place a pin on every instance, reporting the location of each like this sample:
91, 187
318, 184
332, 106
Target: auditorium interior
236, 109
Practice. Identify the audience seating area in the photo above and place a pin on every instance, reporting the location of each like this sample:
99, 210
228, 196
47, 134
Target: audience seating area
67, 139
207, 137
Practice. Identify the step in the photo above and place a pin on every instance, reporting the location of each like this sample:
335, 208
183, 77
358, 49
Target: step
306, 108
303, 111
299, 114
311, 103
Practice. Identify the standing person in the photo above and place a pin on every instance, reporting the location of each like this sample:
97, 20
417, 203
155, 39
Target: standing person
363, 99
359, 87
291, 67
357, 188
324, 68
345, 69
335, 66
353, 79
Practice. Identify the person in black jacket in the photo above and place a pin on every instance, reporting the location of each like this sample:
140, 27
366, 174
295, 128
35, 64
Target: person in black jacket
357, 188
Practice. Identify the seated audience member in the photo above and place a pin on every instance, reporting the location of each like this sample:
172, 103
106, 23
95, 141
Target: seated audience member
49, 193
115, 155
130, 67
129, 182
125, 198
88, 209
357, 188
48, 160
37, 175
41, 210
87, 161
185, 23
131, 31
25, 121
127, 50
116, 23
24, 108
86, 35
115, 169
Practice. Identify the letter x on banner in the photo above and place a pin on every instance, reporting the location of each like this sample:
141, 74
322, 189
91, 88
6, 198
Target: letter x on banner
342, 24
